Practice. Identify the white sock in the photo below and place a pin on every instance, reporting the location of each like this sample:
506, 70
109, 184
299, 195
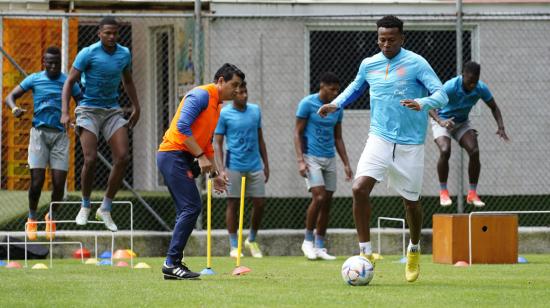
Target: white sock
365, 248
413, 248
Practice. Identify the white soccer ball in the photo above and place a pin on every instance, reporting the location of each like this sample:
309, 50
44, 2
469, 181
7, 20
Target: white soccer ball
357, 271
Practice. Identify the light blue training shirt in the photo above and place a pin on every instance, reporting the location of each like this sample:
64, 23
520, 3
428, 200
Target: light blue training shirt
461, 103
46, 94
240, 128
405, 76
318, 138
101, 74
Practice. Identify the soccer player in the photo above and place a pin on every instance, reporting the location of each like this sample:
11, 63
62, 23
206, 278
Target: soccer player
246, 155
187, 141
399, 80
48, 144
102, 65
315, 138
464, 92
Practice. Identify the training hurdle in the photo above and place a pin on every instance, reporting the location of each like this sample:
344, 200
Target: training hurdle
51, 242
492, 212
391, 219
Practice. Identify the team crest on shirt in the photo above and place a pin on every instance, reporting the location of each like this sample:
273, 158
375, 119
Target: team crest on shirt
401, 71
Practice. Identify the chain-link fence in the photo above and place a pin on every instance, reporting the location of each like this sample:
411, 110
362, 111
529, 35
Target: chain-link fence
283, 58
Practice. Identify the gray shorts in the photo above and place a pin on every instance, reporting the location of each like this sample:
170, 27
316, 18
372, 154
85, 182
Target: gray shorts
108, 121
321, 172
48, 146
456, 132
255, 184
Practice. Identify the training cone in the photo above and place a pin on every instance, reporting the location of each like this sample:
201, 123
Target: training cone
241, 270
130, 252
91, 261
105, 255
462, 264
2, 263
403, 260
13, 264
122, 254
208, 271
104, 262
377, 256
522, 259
121, 264
79, 253
39, 266
142, 265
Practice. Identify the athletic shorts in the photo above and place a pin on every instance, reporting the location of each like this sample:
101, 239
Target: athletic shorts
321, 172
255, 184
48, 146
403, 164
96, 120
458, 130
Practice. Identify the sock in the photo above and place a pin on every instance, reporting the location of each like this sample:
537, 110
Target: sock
252, 235
309, 235
86, 202
365, 248
443, 186
32, 214
233, 242
473, 187
169, 262
413, 248
107, 204
319, 241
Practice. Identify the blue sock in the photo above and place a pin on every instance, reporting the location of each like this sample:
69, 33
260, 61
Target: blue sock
32, 214
319, 241
473, 186
252, 235
86, 202
309, 235
233, 242
107, 204
443, 186
169, 262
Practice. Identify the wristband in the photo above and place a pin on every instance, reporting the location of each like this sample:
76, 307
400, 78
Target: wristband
198, 156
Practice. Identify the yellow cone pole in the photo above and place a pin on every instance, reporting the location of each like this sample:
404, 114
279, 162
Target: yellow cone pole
241, 218
209, 225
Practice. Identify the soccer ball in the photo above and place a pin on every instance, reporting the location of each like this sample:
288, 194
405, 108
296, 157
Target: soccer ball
357, 271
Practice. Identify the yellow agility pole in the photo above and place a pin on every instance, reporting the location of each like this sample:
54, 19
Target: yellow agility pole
208, 270
241, 270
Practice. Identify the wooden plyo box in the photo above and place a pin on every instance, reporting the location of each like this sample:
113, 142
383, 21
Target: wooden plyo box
494, 238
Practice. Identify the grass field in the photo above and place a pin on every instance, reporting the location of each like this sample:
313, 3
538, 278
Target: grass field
278, 281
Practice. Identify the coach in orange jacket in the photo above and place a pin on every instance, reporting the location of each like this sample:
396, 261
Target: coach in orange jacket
189, 138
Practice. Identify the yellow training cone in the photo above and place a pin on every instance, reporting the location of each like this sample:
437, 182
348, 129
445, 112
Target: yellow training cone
142, 265
39, 266
91, 261
130, 252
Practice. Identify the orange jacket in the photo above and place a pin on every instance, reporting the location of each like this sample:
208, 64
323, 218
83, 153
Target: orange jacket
197, 116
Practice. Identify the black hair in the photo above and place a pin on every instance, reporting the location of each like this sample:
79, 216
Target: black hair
329, 78
108, 21
53, 50
472, 68
243, 84
390, 21
227, 71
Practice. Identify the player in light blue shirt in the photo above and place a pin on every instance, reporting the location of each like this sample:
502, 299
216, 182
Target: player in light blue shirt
315, 139
246, 156
452, 121
101, 67
49, 143
403, 87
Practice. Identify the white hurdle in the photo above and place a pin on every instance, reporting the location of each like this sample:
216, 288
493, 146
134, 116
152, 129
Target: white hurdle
391, 219
493, 212
51, 242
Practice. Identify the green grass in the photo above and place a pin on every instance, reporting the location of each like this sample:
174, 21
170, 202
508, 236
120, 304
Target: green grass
278, 282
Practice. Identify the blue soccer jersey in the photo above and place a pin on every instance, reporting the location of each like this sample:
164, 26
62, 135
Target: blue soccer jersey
46, 95
318, 138
461, 103
240, 128
405, 76
101, 74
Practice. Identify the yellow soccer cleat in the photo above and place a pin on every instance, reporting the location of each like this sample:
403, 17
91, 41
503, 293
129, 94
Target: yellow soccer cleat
412, 269
50, 228
32, 226
371, 258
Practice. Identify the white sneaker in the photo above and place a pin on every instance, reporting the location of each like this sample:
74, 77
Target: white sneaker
234, 252
322, 254
107, 219
82, 217
308, 250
